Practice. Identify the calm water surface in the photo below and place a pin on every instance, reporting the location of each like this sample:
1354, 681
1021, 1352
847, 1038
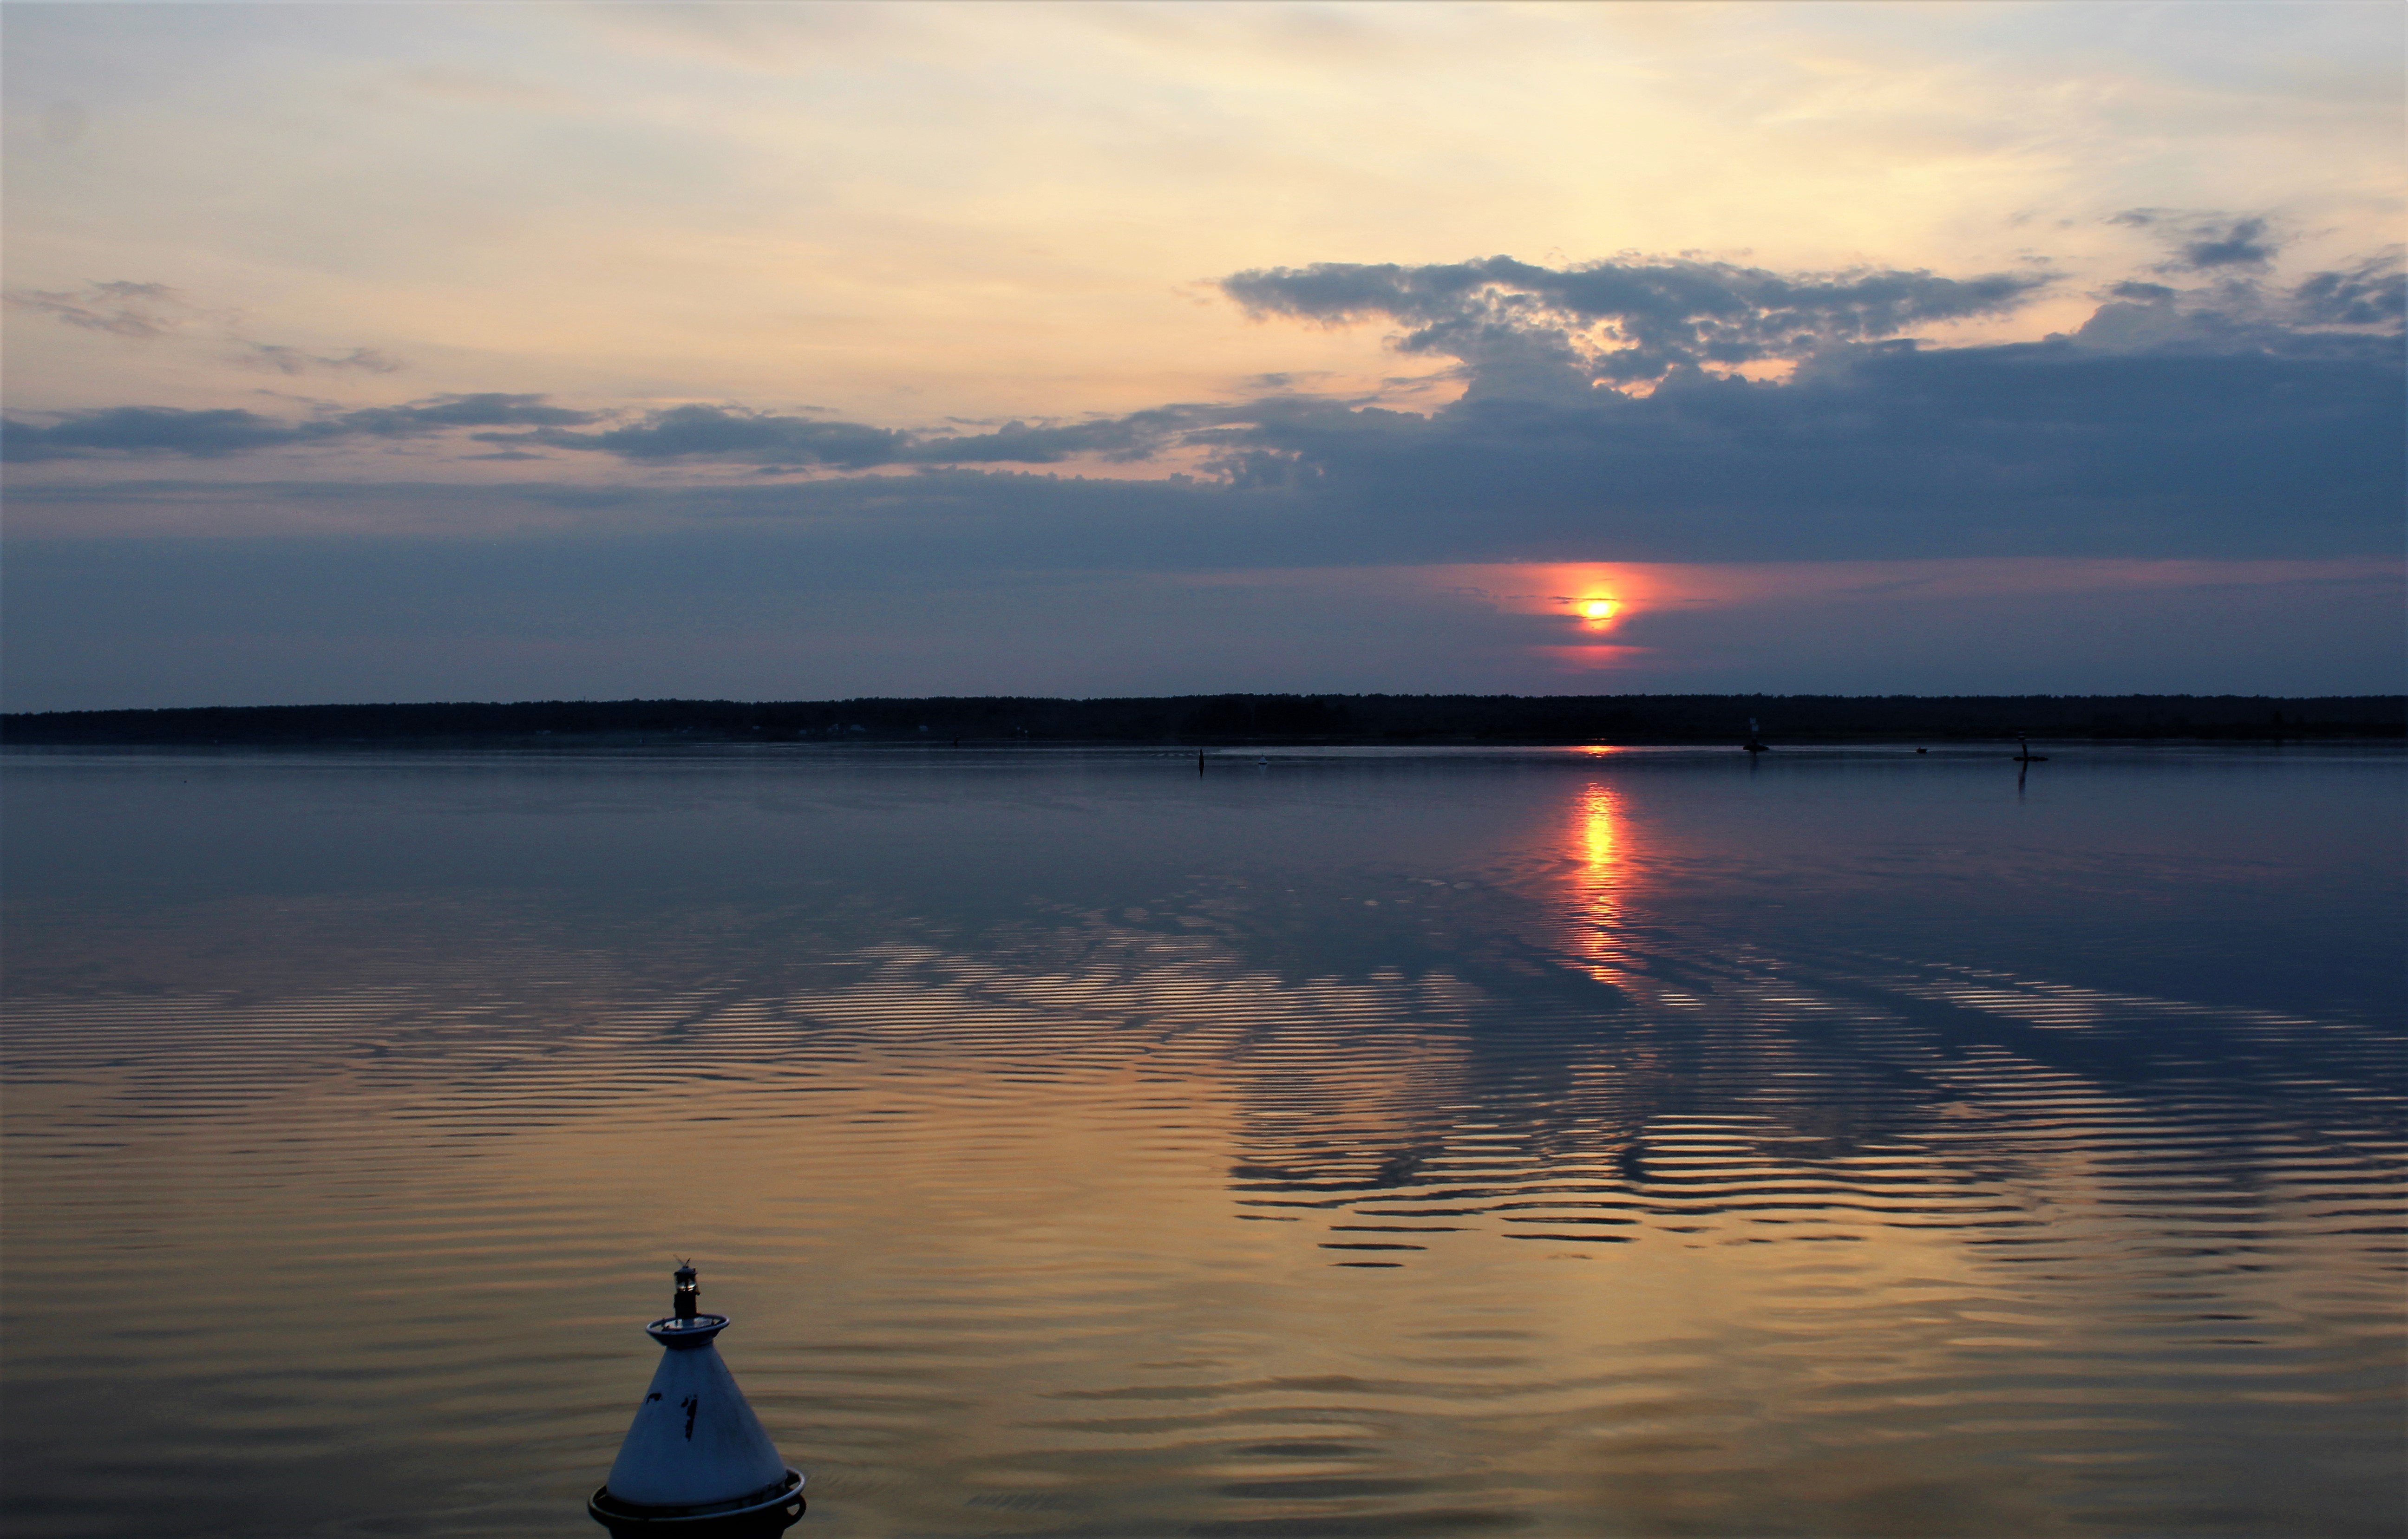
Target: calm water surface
1376, 1144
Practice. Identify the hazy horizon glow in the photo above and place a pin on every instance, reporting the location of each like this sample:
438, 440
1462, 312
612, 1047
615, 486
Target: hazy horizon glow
812, 350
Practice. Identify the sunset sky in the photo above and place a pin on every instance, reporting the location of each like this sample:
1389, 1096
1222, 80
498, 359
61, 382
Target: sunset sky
384, 352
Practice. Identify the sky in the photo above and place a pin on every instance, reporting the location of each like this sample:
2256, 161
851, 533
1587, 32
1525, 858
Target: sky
365, 352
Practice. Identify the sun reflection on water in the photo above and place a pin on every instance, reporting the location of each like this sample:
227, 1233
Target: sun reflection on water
1599, 875
1596, 833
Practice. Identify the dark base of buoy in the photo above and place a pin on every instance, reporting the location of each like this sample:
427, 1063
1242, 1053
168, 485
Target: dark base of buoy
749, 1517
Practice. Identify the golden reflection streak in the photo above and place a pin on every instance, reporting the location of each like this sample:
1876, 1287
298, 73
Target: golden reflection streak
1600, 873
1596, 833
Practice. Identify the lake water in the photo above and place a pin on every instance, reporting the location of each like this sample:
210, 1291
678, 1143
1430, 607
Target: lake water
1552, 1143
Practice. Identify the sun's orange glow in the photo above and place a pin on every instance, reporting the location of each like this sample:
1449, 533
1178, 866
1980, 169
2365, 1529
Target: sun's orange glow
1598, 608
1591, 659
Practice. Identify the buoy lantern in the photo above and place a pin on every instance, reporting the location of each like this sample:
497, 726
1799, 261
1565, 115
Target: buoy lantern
695, 1462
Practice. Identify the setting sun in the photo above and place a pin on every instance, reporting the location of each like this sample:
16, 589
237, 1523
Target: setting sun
1598, 608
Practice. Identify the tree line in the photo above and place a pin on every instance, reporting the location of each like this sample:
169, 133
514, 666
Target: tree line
1237, 719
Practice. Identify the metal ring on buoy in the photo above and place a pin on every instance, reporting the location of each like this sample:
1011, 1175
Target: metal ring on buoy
758, 1513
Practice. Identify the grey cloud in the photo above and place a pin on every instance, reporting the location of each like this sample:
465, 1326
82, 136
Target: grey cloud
2242, 243
733, 433
2050, 447
1885, 450
284, 360
2229, 420
2220, 438
2372, 292
784, 443
208, 434
2355, 311
1623, 320
2206, 242
781, 443
151, 430
2056, 448
1138, 436
122, 309
151, 311
480, 408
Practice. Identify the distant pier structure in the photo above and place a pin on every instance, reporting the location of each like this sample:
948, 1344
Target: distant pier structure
695, 1462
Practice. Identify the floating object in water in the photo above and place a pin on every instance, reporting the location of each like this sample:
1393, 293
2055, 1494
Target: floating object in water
1755, 743
2024, 754
696, 1460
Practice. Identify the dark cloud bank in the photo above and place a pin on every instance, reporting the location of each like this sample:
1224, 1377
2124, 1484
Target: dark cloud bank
1601, 420
2207, 408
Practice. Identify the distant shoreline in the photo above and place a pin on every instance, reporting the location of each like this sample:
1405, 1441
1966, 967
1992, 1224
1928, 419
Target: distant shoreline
1213, 720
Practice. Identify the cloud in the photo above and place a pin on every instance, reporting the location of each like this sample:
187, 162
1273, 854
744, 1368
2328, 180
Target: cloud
1622, 322
2238, 417
211, 435
142, 311
2352, 311
150, 429
733, 433
2371, 292
676, 434
284, 360
2208, 242
482, 408
2242, 244
1137, 435
786, 443
147, 312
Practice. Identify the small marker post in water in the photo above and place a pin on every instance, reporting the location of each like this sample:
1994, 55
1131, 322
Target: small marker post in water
696, 1460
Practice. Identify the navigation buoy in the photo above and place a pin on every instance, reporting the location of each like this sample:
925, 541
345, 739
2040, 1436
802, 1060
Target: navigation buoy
696, 1460
1754, 744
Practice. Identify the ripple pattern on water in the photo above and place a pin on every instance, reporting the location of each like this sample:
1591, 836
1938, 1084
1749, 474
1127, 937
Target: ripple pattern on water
1542, 1204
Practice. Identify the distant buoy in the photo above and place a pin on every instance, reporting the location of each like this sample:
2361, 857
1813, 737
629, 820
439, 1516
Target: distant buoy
1755, 743
696, 1460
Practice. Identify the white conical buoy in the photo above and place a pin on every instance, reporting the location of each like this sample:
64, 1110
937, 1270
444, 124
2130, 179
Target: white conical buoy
696, 1460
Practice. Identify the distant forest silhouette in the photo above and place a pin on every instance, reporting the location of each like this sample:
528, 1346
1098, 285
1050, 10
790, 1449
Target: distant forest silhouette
1231, 719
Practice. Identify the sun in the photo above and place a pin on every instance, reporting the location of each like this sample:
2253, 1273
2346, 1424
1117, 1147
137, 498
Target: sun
1598, 608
